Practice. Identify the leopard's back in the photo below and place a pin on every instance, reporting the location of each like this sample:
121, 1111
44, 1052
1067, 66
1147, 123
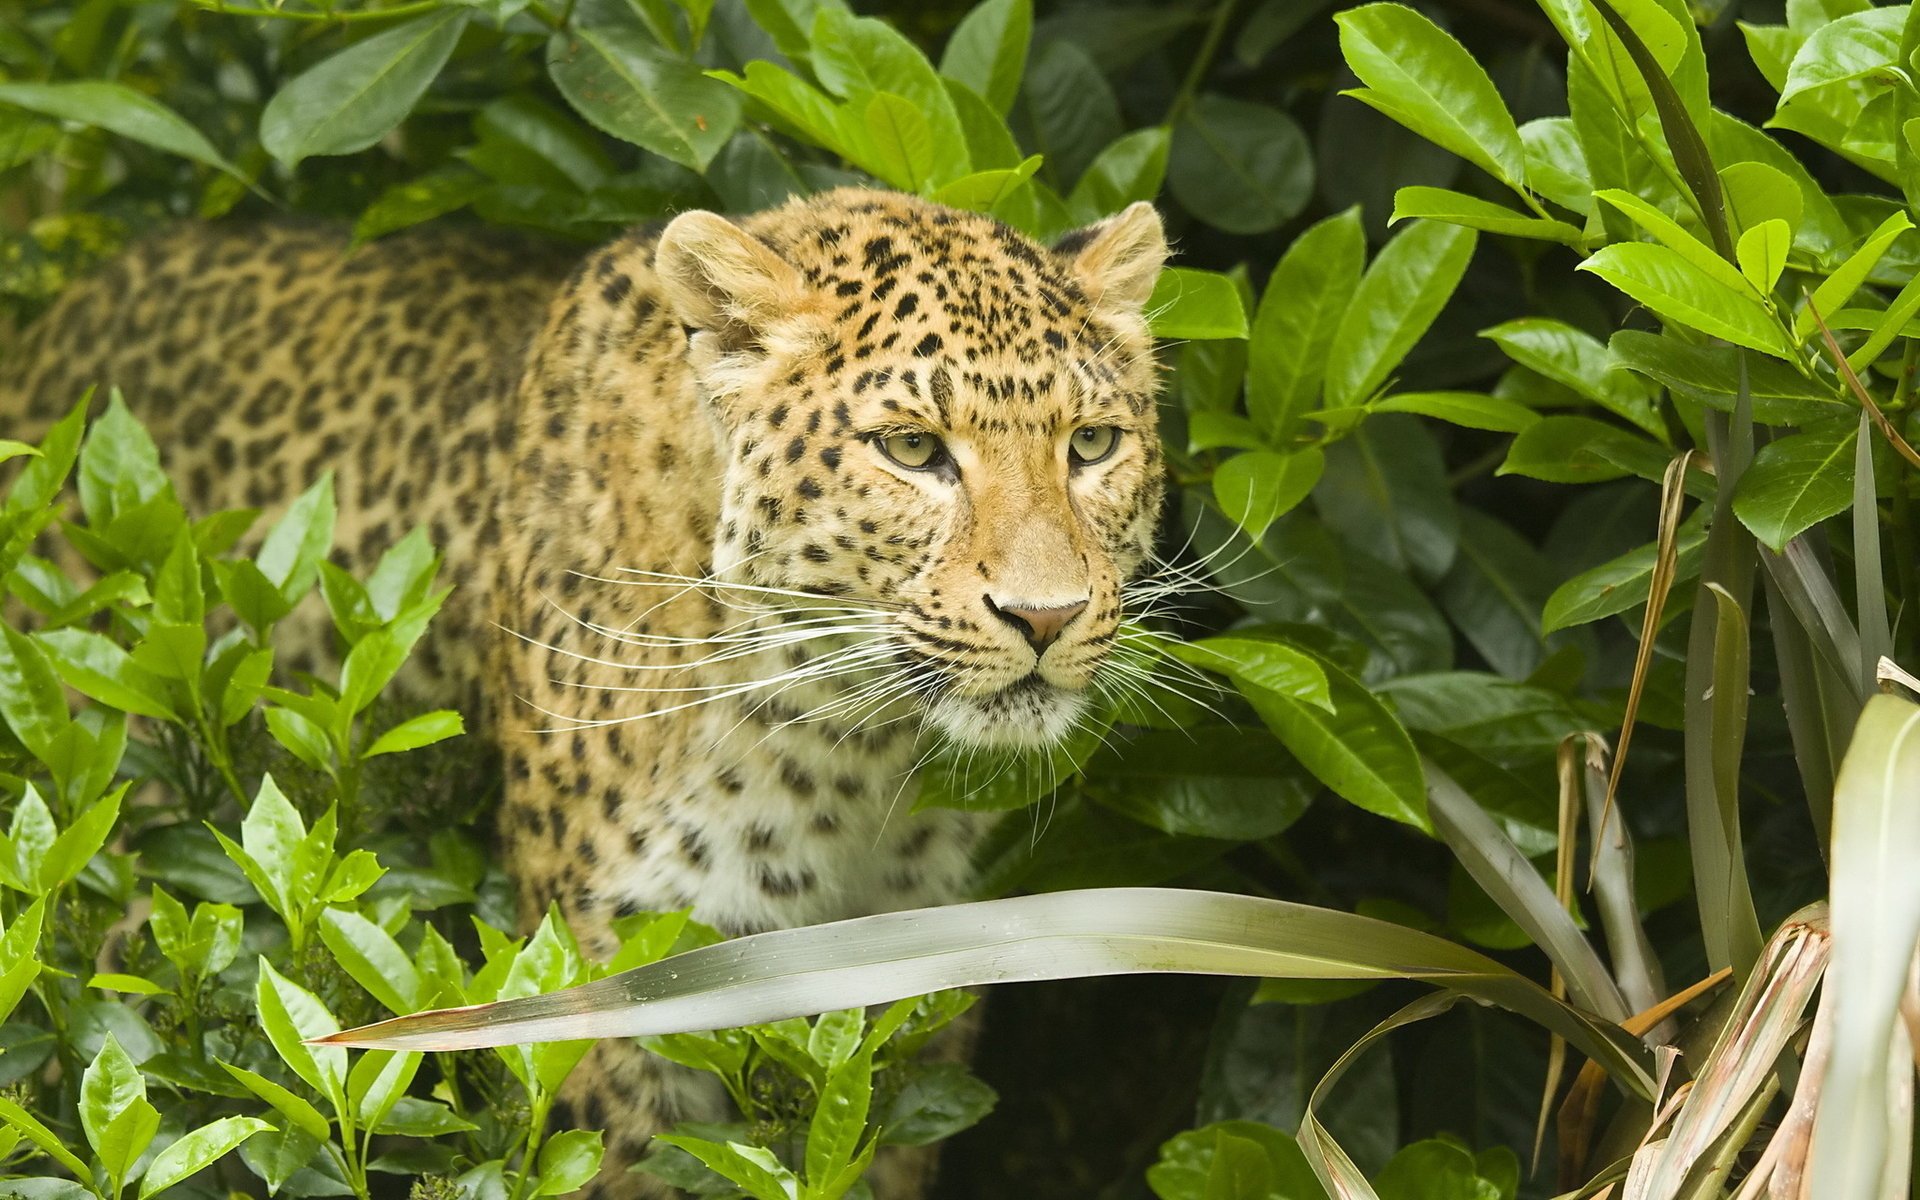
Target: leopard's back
261, 356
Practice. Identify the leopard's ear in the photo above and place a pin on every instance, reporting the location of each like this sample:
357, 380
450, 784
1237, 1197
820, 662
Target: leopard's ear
1116, 261
722, 280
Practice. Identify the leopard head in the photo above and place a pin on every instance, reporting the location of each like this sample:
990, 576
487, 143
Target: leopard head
937, 421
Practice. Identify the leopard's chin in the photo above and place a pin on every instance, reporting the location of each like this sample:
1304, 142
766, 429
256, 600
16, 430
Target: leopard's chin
1028, 715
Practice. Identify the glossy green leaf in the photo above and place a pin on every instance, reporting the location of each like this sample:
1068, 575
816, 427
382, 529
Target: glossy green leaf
1622, 583
1239, 166
1358, 749
625, 85
1796, 482
1420, 76
1678, 290
1577, 360
196, 1151
1846, 279
1196, 304
1397, 300
1458, 208
1303, 305
988, 50
353, 99
1762, 253
1469, 409
1258, 488
117, 109
1562, 449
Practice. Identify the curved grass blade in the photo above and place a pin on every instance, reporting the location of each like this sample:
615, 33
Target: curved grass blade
1504, 873
1059, 935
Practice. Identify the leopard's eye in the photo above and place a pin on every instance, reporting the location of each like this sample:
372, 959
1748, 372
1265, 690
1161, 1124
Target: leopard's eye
915, 450
1092, 443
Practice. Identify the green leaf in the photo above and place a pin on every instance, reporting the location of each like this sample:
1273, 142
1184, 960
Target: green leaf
1857, 44
901, 142
757, 1174
1187, 1162
857, 57
415, 732
119, 466
839, 1118
567, 1161
1420, 76
1668, 233
31, 701
1258, 488
1679, 291
1622, 583
983, 191
95, 666
198, 1150
114, 1111
29, 1126
1458, 208
1300, 310
1577, 360
1239, 166
1396, 301
988, 51
1796, 482
1495, 592
289, 1014
1847, 278
1196, 304
1469, 409
371, 957
1780, 395
1210, 782
351, 100
625, 85
301, 737
416, 201
1262, 663
80, 841
1132, 168
119, 109
1385, 490
1358, 749
1762, 252
1561, 449
1108, 931
290, 556
303, 1115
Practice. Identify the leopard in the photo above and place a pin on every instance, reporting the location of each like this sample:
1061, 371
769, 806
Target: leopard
744, 516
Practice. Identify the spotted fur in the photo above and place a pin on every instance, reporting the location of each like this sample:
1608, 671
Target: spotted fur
707, 618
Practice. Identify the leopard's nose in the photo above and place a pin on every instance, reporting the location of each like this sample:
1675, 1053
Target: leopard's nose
1040, 624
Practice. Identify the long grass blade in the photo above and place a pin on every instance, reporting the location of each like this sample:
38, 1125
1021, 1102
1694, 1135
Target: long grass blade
1635, 966
1876, 922
1504, 873
1329, 1161
1869, 581
1673, 494
1059, 935
1728, 918
1816, 604
1814, 754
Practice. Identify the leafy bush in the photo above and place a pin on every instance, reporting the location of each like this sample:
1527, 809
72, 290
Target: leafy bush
290, 925
1528, 297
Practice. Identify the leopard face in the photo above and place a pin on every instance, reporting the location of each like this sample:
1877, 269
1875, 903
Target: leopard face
940, 426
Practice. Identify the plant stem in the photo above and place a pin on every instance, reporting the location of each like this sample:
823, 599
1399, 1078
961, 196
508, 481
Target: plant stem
1197, 73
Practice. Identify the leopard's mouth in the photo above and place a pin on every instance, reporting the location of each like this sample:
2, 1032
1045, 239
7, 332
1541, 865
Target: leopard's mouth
1029, 713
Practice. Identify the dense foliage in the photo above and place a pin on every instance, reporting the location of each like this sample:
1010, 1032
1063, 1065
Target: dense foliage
1529, 402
